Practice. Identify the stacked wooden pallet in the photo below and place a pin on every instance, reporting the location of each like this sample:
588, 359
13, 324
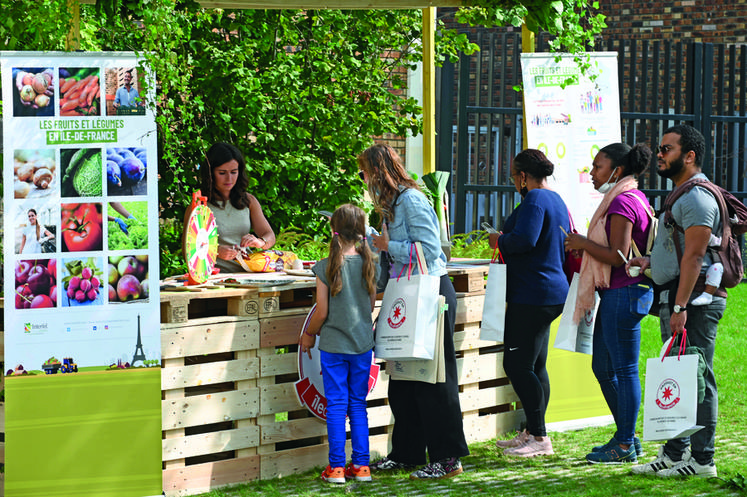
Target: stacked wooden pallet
229, 365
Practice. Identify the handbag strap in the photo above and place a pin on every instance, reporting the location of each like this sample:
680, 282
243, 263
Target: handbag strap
419, 257
498, 259
682, 346
636, 251
570, 221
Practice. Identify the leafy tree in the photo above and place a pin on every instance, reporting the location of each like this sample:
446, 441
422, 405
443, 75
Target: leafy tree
301, 93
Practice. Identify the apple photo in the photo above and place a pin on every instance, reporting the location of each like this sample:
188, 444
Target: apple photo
36, 284
82, 282
128, 278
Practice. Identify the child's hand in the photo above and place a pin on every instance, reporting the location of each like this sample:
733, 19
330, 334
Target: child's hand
306, 343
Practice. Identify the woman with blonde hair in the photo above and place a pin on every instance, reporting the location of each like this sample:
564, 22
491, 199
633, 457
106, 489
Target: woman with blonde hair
427, 417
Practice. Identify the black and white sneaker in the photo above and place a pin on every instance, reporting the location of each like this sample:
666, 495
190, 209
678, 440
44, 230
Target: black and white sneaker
689, 468
386, 464
661, 463
445, 468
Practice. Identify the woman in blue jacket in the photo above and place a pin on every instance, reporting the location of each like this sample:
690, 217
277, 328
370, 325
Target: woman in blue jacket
532, 246
427, 417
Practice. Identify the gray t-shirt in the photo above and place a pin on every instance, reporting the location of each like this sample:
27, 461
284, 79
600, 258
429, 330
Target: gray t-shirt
348, 328
694, 208
232, 224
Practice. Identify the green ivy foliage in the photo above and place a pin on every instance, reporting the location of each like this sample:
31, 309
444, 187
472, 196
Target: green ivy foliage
301, 93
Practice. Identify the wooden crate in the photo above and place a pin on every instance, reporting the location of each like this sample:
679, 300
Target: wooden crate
230, 412
234, 416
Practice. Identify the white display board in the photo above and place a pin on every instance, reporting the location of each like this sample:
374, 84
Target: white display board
60, 143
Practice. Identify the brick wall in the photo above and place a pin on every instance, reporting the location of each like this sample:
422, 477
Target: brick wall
710, 21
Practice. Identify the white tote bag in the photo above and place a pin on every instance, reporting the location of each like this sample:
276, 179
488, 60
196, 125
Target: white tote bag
670, 402
494, 306
576, 337
428, 371
407, 322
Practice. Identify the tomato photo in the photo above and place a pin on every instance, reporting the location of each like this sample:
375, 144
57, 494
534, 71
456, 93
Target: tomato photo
81, 227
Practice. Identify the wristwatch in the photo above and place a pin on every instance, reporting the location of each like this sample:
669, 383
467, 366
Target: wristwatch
679, 308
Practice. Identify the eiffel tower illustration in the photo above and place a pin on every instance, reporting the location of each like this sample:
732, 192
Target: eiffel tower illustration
139, 354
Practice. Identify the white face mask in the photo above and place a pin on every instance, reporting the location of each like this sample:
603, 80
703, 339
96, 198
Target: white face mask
607, 186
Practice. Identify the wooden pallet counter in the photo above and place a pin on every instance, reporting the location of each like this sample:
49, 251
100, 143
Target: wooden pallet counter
230, 412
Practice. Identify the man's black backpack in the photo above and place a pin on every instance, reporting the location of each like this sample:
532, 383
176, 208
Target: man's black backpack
733, 220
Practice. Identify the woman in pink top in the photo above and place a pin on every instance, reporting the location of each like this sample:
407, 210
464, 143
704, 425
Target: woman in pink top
620, 220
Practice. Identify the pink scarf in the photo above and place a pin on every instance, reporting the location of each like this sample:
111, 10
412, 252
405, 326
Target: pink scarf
595, 274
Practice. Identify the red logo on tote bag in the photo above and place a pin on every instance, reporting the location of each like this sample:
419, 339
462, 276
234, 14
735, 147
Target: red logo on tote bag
396, 317
668, 394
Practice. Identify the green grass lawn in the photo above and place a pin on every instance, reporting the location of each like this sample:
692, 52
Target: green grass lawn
566, 473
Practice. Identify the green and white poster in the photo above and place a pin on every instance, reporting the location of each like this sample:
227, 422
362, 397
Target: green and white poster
569, 117
81, 316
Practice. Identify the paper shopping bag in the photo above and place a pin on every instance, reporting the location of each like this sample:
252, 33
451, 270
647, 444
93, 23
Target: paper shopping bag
576, 337
494, 306
670, 401
407, 322
428, 371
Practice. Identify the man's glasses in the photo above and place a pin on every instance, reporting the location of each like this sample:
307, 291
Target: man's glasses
664, 149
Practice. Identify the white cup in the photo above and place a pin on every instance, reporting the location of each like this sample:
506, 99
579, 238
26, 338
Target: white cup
634, 271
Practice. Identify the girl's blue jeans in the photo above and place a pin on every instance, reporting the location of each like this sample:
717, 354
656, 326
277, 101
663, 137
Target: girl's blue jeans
345, 378
617, 343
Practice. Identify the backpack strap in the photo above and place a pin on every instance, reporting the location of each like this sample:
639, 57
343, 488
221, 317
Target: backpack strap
650, 241
689, 184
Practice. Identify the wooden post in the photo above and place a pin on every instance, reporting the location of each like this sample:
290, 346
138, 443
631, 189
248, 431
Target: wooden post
527, 46
429, 90
72, 41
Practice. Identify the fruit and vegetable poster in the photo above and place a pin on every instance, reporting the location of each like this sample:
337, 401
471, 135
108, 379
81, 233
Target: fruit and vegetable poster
569, 117
81, 308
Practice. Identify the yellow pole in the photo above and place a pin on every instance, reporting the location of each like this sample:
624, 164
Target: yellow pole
72, 41
429, 90
527, 46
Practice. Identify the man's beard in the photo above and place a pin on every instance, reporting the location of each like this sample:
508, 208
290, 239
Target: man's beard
675, 167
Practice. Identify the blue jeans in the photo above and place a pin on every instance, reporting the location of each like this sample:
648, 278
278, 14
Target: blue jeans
617, 345
701, 326
345, 378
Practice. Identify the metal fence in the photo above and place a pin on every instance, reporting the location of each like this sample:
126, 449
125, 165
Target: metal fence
661, 83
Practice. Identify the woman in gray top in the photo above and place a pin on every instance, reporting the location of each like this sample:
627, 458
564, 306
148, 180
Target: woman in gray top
237, 212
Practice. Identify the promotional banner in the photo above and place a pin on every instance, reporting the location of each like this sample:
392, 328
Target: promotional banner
82, 322
569, 117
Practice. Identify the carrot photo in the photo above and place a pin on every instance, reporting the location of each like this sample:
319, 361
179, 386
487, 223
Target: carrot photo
80, 92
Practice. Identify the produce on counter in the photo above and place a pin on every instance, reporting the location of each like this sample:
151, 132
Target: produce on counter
36, 284
267, 261
34, 171
80, 92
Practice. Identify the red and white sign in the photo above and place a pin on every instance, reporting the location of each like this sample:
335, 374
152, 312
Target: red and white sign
310, 386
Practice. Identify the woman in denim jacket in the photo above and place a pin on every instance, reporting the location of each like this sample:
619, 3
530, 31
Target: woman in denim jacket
427, 417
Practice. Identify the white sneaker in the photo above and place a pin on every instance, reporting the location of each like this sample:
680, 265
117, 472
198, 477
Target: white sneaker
531, 448
661, 463
702, 299
689, 468
519, 439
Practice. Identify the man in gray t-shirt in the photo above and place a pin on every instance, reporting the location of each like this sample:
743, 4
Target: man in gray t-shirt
697, 213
